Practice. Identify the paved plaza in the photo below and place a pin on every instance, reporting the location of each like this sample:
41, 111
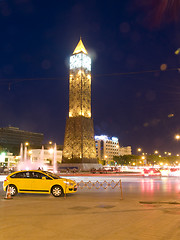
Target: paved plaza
150, 209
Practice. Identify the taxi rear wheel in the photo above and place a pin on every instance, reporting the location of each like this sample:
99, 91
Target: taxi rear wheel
13, 189
57, 191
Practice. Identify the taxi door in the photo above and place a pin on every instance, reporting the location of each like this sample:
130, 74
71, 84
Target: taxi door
22, 181
41, 183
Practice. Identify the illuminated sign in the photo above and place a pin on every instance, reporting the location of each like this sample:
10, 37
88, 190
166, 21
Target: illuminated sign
105, 137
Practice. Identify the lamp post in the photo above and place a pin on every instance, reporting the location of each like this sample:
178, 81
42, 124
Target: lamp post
139, 150
25, 152
30, 154
144, 160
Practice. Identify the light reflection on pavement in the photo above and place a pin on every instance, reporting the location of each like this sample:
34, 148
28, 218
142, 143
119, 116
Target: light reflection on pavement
142, 187
139, 186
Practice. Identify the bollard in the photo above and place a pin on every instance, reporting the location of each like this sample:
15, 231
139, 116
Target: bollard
121, 189
65, 190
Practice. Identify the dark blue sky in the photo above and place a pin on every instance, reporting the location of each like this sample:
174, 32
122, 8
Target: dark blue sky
37, 39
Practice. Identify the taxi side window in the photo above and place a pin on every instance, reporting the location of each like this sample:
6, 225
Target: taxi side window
19, 175
43, 175
35, 175
27, 175
38, 175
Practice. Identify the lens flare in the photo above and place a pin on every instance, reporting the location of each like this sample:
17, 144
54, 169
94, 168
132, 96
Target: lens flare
158, 12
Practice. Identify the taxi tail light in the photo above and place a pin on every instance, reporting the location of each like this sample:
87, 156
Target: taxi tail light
5, 179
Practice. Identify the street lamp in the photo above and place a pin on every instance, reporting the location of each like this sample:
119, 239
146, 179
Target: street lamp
51, 150
156, 152
105, 157
177, 137
144, 160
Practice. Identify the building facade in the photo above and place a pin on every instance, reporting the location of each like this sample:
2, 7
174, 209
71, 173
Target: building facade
8, 160
48, 155
107, 148
125, 151
12, 137
79, 143
44, 156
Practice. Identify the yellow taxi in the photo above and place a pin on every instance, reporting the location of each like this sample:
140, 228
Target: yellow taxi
38, 182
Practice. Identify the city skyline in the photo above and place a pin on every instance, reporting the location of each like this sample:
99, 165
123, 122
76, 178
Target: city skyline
135, 77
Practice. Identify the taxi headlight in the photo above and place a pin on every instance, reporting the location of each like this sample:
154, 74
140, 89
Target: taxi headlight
69, 183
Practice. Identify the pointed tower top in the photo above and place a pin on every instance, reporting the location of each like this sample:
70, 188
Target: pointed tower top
80, 48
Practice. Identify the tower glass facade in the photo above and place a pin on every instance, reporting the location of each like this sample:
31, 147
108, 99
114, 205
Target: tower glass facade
80, 86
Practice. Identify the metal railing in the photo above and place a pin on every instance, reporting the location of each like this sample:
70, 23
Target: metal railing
98, 185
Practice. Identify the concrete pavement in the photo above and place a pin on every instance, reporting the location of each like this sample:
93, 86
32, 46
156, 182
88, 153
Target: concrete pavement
90, 214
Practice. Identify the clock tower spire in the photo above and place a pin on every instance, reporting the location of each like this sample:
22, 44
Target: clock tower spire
80, 48
79, 143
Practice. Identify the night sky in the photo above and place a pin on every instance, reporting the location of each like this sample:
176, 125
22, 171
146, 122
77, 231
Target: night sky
132, 98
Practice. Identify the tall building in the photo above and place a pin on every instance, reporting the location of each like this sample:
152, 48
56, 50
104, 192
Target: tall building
79, 143
107, 148
12, 137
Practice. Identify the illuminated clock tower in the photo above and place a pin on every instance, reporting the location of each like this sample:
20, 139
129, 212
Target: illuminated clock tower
79, 143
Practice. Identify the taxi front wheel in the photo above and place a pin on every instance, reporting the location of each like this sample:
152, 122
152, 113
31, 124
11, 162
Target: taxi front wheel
57, 191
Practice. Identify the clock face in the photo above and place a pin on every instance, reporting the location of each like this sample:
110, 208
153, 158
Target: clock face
86, 62
80, 60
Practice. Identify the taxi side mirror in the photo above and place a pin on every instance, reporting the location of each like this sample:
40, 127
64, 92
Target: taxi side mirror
43, 178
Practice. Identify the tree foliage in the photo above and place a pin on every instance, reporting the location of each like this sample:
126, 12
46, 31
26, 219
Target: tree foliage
127, 159
149, 159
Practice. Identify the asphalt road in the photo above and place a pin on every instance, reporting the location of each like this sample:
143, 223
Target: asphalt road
150, 209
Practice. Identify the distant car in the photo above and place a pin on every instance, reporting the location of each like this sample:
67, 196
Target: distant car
165, 172
38, 182
151, 172
174, 172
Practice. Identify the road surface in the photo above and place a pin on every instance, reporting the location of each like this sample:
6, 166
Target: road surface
150, 209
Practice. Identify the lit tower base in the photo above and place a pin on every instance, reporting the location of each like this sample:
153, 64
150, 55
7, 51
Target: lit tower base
79, 143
